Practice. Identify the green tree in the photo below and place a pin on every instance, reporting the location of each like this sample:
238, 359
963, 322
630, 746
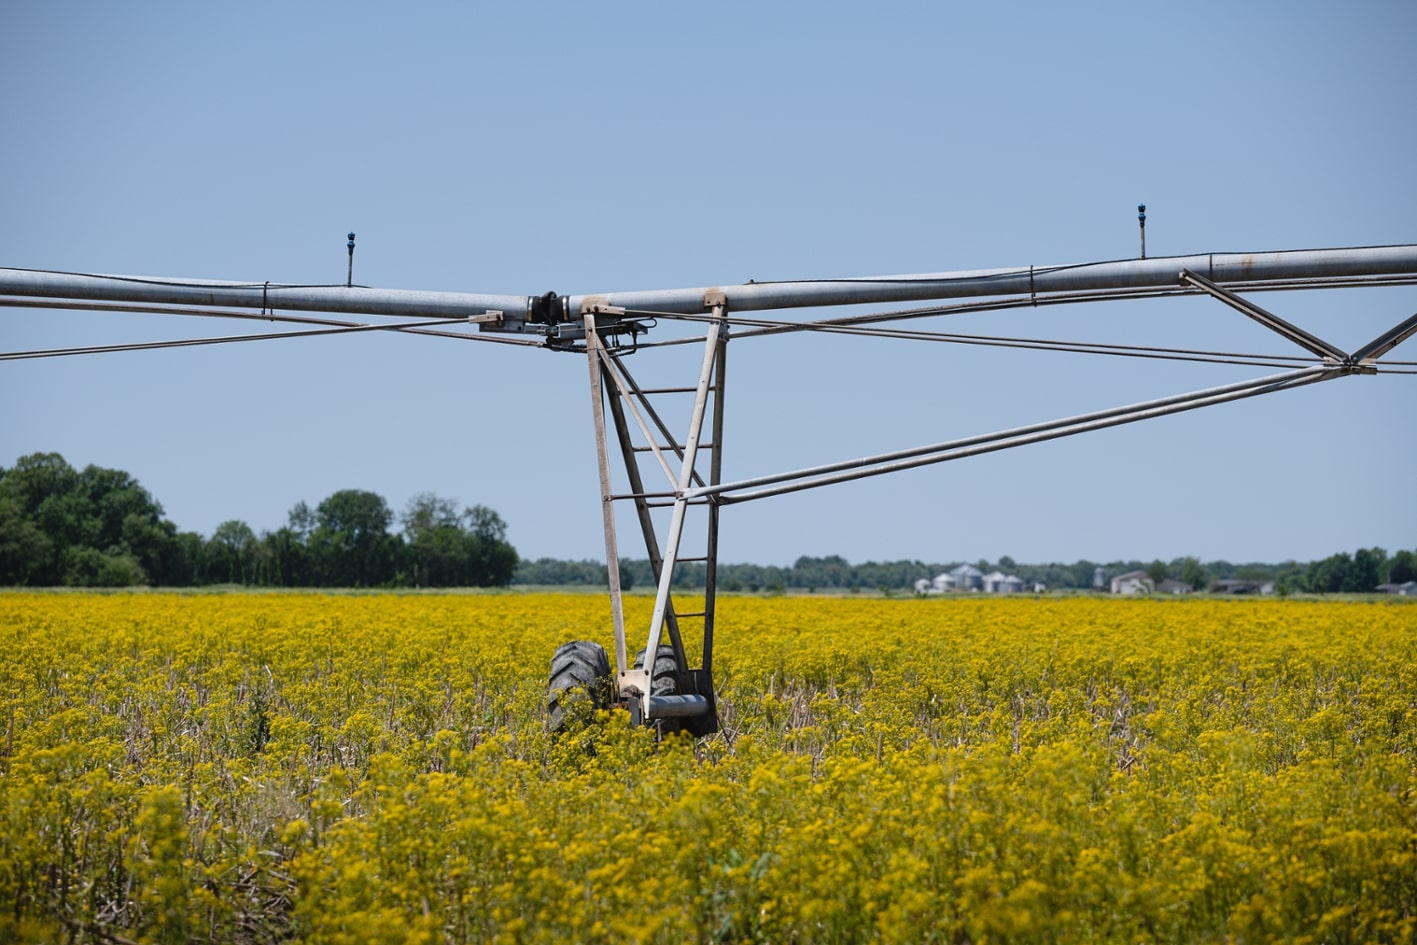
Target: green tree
1402, 568
47, 492
351, 545
98, 521
485, 523
445, 547
285, 559
231, 553
1192, 573
426, 512
301, 521
23, 547
186, 562
1366, 574
89, 567
1290, 577
1331, 574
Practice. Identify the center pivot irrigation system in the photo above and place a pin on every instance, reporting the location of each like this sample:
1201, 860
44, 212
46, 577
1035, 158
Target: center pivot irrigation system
665, 691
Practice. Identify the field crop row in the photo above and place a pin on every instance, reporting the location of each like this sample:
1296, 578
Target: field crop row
262, 768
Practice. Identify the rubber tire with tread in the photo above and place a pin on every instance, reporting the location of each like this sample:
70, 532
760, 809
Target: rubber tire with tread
580, 683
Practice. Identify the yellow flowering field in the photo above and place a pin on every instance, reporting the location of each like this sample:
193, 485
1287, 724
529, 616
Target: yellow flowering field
353, 769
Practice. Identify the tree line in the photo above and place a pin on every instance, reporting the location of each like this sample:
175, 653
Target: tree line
96, 527
1360, 572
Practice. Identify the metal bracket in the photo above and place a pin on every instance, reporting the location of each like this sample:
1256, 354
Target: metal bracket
596, 305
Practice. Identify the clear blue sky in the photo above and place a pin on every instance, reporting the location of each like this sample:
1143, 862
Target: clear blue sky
519, 148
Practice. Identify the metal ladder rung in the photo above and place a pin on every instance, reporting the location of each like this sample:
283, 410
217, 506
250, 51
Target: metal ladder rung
675, 447
674, 390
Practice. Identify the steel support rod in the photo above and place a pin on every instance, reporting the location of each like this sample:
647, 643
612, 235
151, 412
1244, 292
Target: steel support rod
221, 340
715, 477
864, 467
1385, 342
642, 506
594, 357
686, 475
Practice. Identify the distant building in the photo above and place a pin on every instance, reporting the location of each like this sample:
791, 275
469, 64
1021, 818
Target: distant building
969, 578
1405, 589
997, 582
1169, 586
1241, 586
1133, 582
937, 585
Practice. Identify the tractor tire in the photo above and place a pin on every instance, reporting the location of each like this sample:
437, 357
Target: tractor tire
580, 684
665, 682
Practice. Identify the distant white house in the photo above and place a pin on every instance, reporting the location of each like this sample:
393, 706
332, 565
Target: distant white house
1405, 589
1133, 582
1139, 582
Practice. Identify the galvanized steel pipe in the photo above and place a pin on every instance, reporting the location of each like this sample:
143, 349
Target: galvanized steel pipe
300, 298
1122, 274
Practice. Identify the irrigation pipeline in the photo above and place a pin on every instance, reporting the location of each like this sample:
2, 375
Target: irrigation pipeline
439, 312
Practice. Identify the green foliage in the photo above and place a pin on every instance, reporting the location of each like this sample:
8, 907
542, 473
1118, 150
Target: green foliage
448, 548
1359, 573
100, 528
351, 545
95, 527
1403, 568
231, 554
1192, 573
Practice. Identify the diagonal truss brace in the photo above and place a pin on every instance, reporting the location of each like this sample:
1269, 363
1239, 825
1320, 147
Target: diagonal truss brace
1385, 342
1266, 318
761, 487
